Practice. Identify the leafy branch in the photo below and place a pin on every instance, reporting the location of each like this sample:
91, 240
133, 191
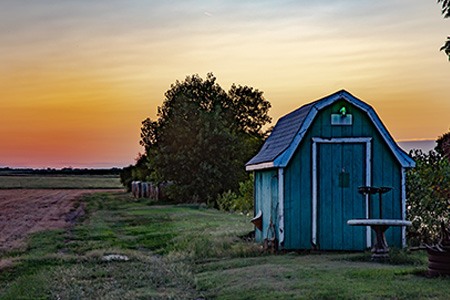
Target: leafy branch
446, 13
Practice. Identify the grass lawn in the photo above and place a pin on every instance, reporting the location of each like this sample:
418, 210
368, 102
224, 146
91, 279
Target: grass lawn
190, 252
60, 182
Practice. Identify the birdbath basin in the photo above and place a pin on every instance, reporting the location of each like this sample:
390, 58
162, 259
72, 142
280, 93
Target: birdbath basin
380, 250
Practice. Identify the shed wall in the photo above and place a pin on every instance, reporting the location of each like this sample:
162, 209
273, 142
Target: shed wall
386, 171
266, 200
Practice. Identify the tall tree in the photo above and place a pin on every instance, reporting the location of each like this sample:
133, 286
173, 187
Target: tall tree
148, 134
445, 7
204, 135
446, 13
247, 105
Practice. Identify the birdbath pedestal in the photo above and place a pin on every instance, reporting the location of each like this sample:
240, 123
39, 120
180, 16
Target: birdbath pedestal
380, 250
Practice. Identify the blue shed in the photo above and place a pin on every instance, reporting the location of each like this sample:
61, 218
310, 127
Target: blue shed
308, 172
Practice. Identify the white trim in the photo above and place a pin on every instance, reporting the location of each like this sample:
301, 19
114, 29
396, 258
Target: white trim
315, 141
314, 194
403, 206
280, 206
368, 183
342, 140
260, 166
370, 222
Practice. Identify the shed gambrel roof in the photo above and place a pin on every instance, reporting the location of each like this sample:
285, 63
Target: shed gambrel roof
290, 130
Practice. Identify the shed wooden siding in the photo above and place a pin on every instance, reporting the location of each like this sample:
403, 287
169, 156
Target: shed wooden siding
266, 192
386, 171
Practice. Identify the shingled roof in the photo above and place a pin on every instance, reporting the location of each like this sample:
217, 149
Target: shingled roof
290, 129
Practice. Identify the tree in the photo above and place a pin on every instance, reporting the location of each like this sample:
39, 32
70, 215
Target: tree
148, 134
443, 145
445, 7
139, 171
247, 107
203, 136
446, 13
446, 47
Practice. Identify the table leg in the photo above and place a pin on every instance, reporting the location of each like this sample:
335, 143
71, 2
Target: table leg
380, 250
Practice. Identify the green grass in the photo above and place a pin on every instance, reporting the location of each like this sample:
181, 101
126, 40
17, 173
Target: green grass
59, 182
185, 252
315, 277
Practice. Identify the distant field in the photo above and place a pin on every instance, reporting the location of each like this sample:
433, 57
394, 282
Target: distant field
59, 182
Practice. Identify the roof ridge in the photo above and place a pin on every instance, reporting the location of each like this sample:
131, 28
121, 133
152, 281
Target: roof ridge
287, 132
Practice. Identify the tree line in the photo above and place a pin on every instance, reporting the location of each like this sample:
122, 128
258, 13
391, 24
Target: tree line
63, 171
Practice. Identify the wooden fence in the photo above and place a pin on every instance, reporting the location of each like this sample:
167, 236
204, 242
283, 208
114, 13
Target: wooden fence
142, 189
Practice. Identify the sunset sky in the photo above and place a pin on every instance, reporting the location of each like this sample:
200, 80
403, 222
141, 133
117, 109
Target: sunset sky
78, 77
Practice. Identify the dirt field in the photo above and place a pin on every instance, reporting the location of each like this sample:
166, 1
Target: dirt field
26, 211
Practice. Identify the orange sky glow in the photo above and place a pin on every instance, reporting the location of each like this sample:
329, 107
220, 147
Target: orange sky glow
76, 80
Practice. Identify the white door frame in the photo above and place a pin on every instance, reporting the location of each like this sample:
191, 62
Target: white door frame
355, 140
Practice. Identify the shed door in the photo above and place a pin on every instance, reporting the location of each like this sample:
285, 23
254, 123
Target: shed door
341, 170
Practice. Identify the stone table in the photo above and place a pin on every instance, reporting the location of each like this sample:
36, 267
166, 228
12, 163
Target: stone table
380, 250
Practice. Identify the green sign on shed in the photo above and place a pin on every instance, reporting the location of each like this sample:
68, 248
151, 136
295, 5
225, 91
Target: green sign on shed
308, 172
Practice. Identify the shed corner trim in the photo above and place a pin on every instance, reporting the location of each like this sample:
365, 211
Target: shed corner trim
261, 166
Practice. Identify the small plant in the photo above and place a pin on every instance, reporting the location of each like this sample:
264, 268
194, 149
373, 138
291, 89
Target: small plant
226, 201
241, 202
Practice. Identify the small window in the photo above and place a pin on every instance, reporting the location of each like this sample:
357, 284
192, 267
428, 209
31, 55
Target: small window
338, 119
342, 117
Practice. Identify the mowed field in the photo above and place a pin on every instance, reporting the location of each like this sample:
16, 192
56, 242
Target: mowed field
23, 212
32, 203
59, 182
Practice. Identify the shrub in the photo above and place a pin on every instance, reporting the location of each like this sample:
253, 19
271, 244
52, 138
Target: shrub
241, 202
226, 201
428, 196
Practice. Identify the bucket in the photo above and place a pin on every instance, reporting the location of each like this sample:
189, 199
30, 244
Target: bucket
438, 262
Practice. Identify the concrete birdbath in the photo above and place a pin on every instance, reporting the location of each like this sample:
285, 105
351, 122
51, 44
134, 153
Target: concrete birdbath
380, 250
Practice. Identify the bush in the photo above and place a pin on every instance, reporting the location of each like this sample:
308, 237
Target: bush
226, 201
140, 172
242, 202
428, 196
